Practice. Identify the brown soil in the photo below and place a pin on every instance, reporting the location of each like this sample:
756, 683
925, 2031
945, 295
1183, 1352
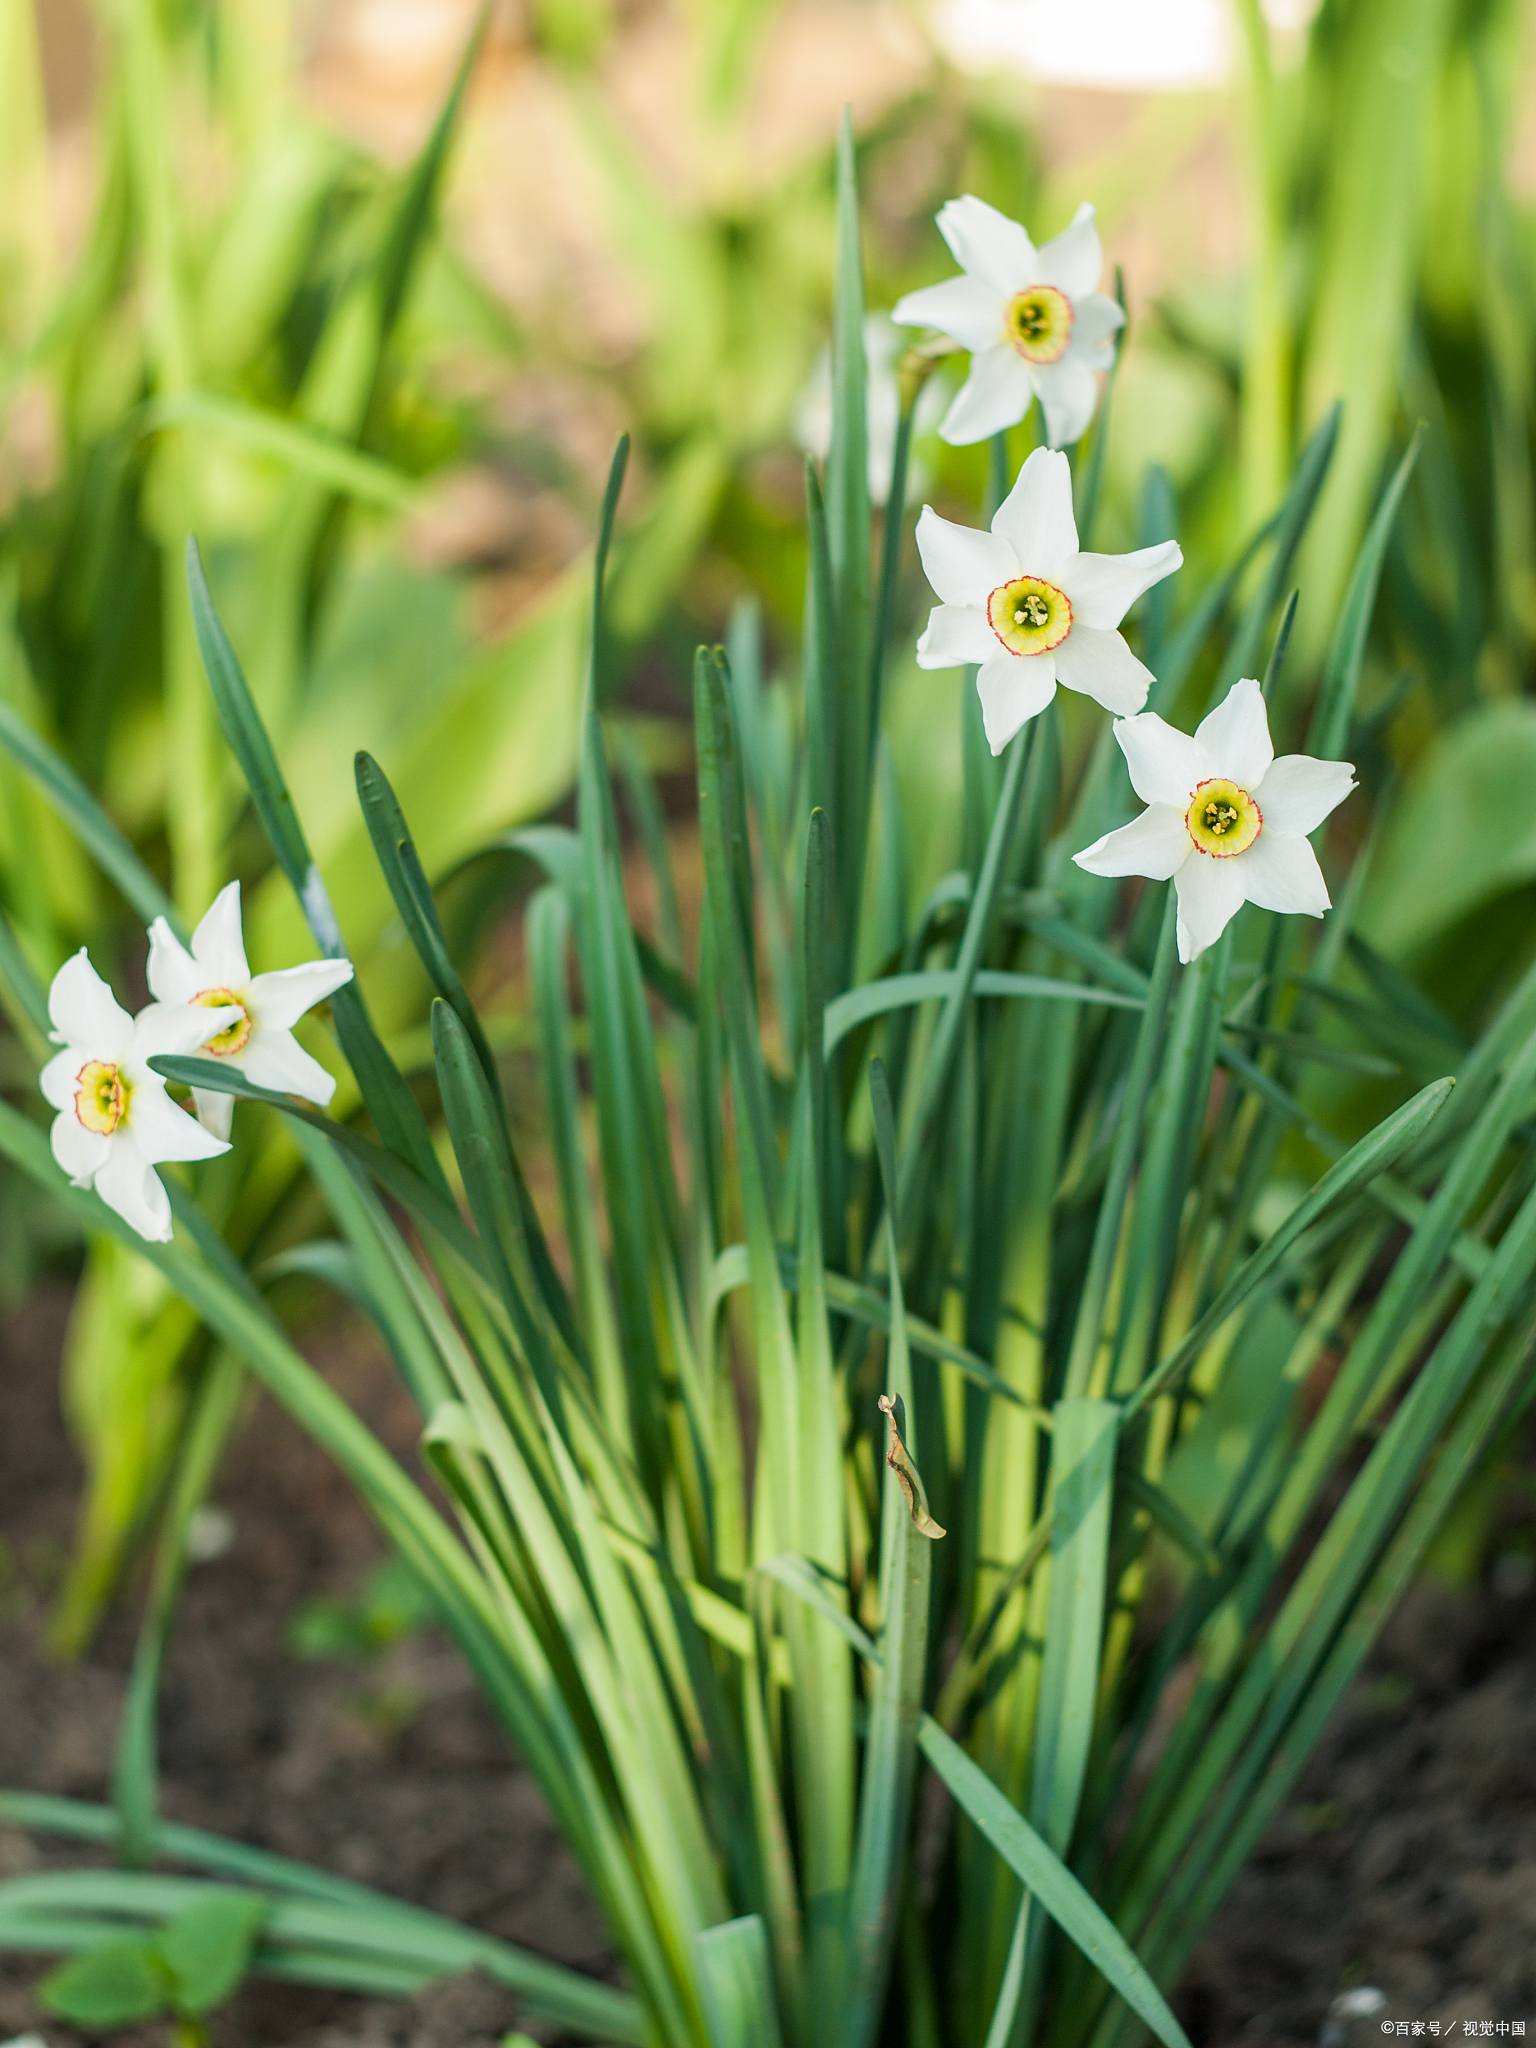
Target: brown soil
1407, 1860
388, 1770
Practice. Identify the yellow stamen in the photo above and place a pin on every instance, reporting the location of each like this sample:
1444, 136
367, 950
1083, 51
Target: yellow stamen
1029, 615
234, 1036
1222, 819
1039, 323
101, 1097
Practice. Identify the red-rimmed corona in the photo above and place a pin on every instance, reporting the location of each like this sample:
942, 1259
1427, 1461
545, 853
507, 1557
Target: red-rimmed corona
1222, 820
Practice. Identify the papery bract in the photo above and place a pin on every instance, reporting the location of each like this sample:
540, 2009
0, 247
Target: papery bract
115, 1122
1033, 319
260, 1043
1029, 609
1225, 820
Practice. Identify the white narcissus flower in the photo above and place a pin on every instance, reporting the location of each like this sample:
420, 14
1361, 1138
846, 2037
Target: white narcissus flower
883, 348
259, 1040
1029, 609
115, 1122
1226, 821
1033, 320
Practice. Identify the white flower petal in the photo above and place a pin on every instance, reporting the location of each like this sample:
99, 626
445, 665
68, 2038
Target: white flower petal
964, 308
128, 1183
80, 1152
1102, 667
1068, 395
1036, 518
1299, 792
1164, 763
1096, 320
57, 1080
162, 1130
1234, 738
176, 1028
1013, 688
963, 563
275, 1059
174, 976
988, 244
1104, 587
279, 1000
955, 634
85, 1012
216, 1113
997, 394
1073, 261
1279, 872
1210, 896
217, 945
1156, 844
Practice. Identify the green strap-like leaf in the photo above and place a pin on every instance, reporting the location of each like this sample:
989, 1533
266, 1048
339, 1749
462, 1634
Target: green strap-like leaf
906, 1551
88, 821
1341, 672
1082, 1494
897, 991
331, 1935
479, 1144
435, 1209
1360, 1165
1080, 1918
1048, 1878
397, 1119
736, 1977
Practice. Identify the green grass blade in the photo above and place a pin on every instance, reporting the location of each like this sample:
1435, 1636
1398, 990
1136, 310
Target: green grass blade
1082, 1492
1088, 1331
393, 1175
548, 927
820, 657
22, 984
480, 1145
1047, 1877
606, 521
1090, 476
848, 536
1335, 706
718, 771
135, 1770
823, 1698
1359, 1166
306, 450
348, 1922
90, 824
845, 1013
737, 1982
1291, 523
939, 1064
397, 1119
890, 1757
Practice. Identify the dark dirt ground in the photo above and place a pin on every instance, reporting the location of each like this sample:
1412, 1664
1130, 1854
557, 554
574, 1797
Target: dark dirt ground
1407, 1860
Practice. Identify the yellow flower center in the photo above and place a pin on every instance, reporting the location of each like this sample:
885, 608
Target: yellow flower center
1222, 819
1029, 615
1039, 323
234, 1036
101, 1097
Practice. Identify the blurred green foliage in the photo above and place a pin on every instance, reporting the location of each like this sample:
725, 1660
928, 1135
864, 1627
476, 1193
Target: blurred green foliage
388, 1605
